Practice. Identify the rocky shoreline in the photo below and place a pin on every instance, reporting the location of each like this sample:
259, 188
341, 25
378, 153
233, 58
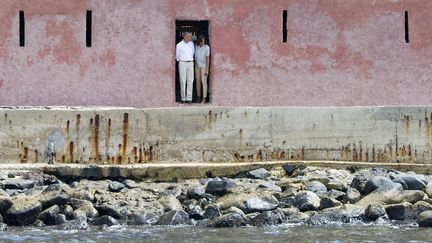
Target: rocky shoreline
288, 194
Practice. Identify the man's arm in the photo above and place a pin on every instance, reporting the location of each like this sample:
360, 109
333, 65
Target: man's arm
177, 53
207, 61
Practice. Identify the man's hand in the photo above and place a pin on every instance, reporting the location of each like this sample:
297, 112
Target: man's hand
206, 73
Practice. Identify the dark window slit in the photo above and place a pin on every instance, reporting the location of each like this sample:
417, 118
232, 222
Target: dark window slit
89, 28
407, 40
284, 25
21, 28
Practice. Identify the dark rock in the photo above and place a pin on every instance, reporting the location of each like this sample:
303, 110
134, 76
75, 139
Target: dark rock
335, 194
260, 203
400, 181
292, 169
105, 220
53, 198
83, 194
306, 201
68, 211
270, 186
351, 196
286, 202
3, 227
228, 220
316, 187
15, 183
329, 217
48, 216
413, 182
196, 212
219, 188
38, 223
422, 206
195, 191
24, 211
327, 202
85, 206
267, 218
174, 217
359, 182
5, 203
425, 219
212, 212
389, 193
142, 218
374, 183
400, 211
115, 186
260, 173
374, 211
129, 183
110, 210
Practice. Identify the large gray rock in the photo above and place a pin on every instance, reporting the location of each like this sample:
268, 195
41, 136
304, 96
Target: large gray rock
111, 210
115, 186
169, 202
129, 183
15, 183
306, 201
51, 198
425, 219
351, 196
422, 206
260, 203
413, 182
376, 182
85, 206
5, 203
260, 173
175, 217
142, 218
105, 220
428, 189
400, 211
196, 191
212, 211
219, 188
329, 217
267, 218
83, 194
413, 196
389, 193
327, 202
228, 220
49, 215
317, 187
374, 211
24, 211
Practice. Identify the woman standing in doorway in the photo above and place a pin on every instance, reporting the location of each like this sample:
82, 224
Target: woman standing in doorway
202, 64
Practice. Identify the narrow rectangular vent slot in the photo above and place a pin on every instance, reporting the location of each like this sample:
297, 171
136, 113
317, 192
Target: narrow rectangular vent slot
284, 25
407, 40
21, 28
89, 28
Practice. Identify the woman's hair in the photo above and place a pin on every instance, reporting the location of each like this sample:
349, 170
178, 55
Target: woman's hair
200, 38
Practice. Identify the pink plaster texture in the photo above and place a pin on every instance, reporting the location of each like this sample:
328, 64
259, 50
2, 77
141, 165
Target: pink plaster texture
338, 52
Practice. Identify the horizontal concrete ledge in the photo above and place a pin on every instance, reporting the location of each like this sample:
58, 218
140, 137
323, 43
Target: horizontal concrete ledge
175, 171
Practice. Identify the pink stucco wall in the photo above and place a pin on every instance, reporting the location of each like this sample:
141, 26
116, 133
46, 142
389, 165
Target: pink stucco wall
339, 52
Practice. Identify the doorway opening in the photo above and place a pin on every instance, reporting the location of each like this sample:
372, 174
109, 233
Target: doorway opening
197, 28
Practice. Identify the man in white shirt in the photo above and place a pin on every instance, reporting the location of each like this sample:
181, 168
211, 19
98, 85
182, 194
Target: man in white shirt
185, 51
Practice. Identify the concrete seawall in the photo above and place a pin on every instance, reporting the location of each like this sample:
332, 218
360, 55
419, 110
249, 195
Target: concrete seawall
216, 134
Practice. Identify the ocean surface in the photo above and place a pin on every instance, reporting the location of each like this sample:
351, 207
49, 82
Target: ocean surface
281, 233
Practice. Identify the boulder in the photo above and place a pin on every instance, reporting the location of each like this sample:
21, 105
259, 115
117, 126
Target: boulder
83, 194
269, 186
422, 206
413, 182
51, 198
327, 202
228, 220
142, 218
425, 219
389, 193
219, 188
195, 191
49, 215
175, 217
111, 210
316, 187
266, 218
351, 196
375, 182
129, 183
212, 211
115, 186
374, 211
260, 203
5, 203
169, 202
105, 220
293, 169
24, 211
400, 211
196, 212
260, 173
306, 201
335, 194
413, 196
15, 183
359, 182
85, 206
400, 181
329, 217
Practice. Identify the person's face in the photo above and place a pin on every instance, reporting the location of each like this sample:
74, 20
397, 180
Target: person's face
202, 42
187, 38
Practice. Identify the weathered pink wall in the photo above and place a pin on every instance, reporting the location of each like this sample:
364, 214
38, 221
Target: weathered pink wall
339, 52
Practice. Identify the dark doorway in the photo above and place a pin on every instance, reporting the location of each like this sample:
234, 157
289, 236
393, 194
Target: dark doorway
196, 27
